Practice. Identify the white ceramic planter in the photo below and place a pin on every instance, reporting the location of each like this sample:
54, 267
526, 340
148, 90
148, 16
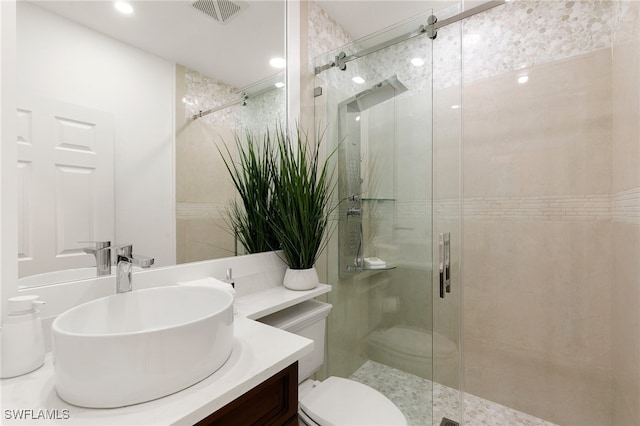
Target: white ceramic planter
301, 279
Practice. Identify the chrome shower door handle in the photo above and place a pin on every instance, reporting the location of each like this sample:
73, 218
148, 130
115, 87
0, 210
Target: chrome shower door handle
447, 262
444, 252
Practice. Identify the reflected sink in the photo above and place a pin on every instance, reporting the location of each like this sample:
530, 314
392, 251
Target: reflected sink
62, 276
57, 277
134, 347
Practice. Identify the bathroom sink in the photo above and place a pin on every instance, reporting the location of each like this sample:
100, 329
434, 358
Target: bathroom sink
137, 346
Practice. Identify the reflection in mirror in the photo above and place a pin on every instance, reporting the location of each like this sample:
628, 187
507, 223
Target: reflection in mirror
204, 189
111, 142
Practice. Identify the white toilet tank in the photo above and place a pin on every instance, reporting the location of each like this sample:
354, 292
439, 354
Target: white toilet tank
307, 319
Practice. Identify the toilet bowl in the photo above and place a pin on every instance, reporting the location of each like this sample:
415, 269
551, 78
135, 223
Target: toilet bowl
414, 350
336, 400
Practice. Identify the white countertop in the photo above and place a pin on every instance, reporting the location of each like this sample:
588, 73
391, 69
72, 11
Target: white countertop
263, 303
259, 352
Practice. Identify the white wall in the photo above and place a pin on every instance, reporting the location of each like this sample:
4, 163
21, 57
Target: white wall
8, 155
59, 59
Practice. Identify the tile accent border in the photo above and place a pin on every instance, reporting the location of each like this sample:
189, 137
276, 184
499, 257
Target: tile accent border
626, 206
200, 210
553, 207
623, 207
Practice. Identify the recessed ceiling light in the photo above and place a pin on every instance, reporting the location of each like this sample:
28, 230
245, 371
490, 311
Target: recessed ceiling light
358, 118
418, 62
123, 7
523, 79
279, 84
277, 62
455, 106
358, 80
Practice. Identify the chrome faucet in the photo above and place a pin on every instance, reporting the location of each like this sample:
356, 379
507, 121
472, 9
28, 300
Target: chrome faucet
125, 260
102, 253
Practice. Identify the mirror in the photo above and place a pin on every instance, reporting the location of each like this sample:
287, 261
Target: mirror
118, 120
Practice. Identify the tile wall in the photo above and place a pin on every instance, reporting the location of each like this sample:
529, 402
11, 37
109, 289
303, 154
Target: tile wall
625, 197
550, 185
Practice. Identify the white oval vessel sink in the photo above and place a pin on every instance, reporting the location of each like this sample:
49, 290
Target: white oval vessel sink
134, 347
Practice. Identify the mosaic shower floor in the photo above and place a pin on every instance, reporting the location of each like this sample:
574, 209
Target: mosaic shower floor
412, 394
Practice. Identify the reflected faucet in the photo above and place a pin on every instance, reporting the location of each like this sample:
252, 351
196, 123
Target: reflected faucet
102, 253
125, 260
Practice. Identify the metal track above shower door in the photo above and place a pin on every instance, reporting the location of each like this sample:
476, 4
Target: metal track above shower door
430, 29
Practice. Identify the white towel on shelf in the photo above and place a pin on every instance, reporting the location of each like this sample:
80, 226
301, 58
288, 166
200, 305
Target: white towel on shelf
374, 263
211, 282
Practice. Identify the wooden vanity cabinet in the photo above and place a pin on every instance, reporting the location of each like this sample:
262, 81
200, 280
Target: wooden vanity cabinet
273, 402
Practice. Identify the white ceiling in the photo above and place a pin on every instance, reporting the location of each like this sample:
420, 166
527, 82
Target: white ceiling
361, 18
236, 52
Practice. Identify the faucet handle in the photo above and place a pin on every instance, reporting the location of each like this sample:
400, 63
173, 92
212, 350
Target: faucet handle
99, 245
124, 250
126, 253
102, 252
143, 261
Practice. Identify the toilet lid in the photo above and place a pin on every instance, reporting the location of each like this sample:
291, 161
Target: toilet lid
338, 401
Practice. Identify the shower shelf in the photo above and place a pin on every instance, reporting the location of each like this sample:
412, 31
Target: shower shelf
379, 200
386, 268
362, 269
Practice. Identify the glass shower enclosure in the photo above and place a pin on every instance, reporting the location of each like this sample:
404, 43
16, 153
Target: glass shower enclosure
527, 112
394, 325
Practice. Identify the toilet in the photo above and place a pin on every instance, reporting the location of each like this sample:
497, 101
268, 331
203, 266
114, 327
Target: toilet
334, 401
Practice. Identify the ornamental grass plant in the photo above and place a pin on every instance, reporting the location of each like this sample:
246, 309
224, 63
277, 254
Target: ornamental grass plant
251, 215
302, 195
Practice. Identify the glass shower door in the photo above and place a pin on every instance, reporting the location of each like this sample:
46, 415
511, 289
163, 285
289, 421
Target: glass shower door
377, 111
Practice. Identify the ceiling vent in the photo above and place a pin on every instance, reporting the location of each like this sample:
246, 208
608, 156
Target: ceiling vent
220, 10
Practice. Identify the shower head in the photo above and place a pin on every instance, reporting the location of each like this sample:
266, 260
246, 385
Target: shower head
375, 95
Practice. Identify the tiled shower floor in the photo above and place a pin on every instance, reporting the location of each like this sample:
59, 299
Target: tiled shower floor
412, 395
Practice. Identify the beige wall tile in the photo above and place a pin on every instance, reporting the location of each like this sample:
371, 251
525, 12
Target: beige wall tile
204, 238
553, 389
537, 296
537, 286
200, 171
622, 411
626, 314
626, 113
626, 223
548, 136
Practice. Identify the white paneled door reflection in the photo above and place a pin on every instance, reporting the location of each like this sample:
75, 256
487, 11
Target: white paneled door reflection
65, 183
